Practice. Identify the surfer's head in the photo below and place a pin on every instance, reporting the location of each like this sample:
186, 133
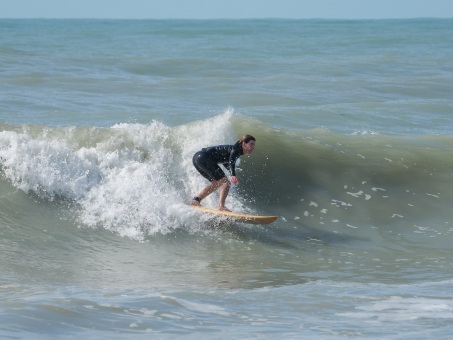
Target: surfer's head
248, 144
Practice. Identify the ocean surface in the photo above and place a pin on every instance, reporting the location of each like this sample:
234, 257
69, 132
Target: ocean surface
99, 120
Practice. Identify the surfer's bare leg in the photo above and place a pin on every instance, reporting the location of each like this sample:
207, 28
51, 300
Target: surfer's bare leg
223, 195
209, 190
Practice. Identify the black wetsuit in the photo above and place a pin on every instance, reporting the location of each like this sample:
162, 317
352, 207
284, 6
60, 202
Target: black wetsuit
207, 160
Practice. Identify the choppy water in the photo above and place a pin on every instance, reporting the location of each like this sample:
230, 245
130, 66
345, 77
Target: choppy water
98, 124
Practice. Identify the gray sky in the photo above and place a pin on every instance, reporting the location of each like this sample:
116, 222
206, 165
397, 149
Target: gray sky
234, 9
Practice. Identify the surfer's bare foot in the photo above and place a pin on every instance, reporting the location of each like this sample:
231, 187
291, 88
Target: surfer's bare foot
224, 209
196, 203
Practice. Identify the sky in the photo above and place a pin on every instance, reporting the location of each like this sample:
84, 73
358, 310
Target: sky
228, 9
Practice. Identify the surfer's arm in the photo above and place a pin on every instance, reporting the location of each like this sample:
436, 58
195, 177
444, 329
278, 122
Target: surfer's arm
234, 155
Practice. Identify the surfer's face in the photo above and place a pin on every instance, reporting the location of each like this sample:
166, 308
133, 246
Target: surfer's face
248, 147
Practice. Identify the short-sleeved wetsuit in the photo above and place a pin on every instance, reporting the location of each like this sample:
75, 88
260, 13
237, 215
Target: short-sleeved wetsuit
207, 160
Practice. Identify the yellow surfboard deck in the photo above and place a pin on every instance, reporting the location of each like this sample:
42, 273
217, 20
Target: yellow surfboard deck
243, 218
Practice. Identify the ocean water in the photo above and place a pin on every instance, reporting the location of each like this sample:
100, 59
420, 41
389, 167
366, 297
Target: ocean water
99, 120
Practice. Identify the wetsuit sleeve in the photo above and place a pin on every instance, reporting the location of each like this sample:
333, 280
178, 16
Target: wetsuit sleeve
235, 154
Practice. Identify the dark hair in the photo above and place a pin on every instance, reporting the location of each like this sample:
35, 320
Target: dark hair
246, 139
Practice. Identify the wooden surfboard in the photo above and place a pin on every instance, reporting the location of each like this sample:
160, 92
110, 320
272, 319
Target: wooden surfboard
243, 218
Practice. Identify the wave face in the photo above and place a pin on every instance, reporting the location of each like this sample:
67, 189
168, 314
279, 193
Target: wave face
136, 179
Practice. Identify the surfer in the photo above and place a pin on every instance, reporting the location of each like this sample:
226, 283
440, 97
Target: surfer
207, 161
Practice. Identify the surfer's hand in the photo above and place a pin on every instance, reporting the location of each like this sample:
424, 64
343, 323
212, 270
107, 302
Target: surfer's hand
234, 180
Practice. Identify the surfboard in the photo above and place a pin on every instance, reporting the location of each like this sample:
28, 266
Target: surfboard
237, 217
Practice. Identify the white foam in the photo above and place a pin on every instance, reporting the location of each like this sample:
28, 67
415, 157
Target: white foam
355, 194
198, 307
133, 179
396, 309
48, 167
